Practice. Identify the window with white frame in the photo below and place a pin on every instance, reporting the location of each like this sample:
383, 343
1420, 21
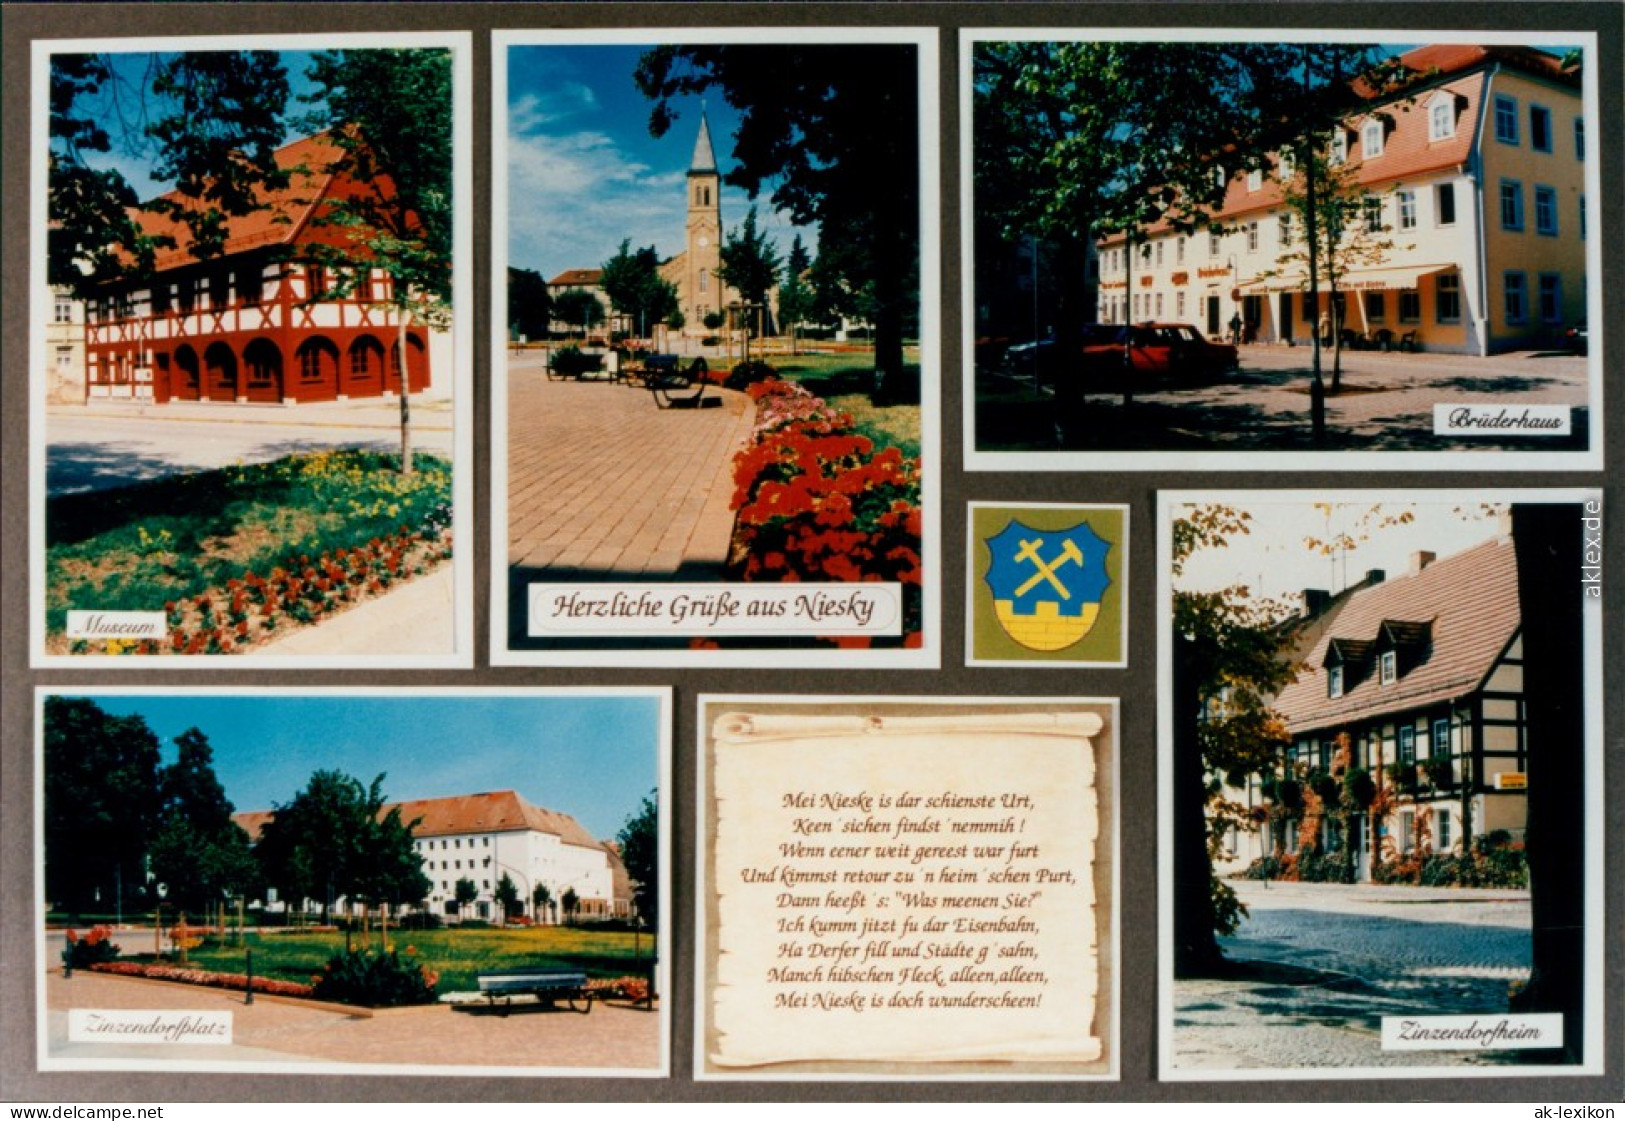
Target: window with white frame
1546, 210
1372, 211
1255, 180
1442, 117
1506, 119
1447, 297
1441, 829
63, 312
1252, 237
1159, 254
1551, 298
1339, 148
1179, 251
1213, 243
1287, 165
1283, 229
1159, 305
1444, 199
1440, 748
1371, 139
1334, 681
1407, 210
1179, 305
1388, 667
1515, 296
1511, 205
1407, 743
1540, 128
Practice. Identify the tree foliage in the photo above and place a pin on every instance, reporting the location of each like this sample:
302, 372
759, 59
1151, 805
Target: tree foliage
101, 804
530, 306
631, 280
199, 853
507, 896
833, 131
750, 265
334, 840
213, 121
579, 308
639, 841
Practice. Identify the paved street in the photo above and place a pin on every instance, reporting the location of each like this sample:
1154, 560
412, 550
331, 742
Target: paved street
415, 1040
1385, 950
93, 447
602, 484
1387, 404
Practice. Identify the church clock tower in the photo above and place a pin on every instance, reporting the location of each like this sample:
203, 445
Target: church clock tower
702, 292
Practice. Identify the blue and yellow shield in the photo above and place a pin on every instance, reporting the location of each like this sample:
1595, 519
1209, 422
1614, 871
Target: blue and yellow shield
1047, 584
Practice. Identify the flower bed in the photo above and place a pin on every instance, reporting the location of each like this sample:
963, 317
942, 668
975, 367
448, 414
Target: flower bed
270, 986
815, 500
634, 989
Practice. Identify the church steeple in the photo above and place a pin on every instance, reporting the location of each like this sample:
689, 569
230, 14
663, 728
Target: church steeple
705, 158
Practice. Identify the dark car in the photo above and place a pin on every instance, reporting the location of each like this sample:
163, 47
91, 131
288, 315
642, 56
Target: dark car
1158, 350
1578, 338
1043, 355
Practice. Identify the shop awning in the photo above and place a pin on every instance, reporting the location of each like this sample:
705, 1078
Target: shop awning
1389, 280
1284, 282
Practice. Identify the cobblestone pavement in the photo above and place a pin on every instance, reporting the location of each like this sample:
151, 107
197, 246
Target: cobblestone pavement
1389, 950
602, 484
1387, 404
611, 1037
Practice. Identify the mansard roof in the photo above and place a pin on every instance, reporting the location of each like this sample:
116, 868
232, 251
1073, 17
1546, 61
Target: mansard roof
1468, 605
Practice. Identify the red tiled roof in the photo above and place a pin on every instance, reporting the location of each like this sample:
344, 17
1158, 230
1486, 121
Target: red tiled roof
281, 217
502, 811
1471, 600
577, 276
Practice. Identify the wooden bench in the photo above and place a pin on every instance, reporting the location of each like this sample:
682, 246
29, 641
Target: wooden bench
674, 382
546, 987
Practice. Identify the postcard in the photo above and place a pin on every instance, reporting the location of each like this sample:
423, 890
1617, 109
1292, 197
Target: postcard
936, 899
1291, 250
1047, 585
1381, 780
715, 407
251, 351
306, 882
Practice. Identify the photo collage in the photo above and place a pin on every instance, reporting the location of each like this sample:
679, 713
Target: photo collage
543, 538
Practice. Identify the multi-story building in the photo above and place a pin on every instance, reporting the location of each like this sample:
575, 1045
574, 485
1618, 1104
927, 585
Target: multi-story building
1416, 682
65, 349
1471, 182
482, 837
260, 322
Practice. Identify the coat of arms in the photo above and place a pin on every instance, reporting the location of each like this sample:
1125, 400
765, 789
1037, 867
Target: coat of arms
1047, 584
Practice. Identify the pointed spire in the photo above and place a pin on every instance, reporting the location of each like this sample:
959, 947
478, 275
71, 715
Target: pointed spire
705, 158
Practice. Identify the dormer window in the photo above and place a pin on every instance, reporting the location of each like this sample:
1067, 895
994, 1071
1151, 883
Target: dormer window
1334, 681
1287, 165
1388, 667
1340, 148
1371, 139
1442, 117
1255, 180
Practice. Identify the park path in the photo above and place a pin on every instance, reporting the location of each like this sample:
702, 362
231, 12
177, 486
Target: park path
603, 484
413, 1040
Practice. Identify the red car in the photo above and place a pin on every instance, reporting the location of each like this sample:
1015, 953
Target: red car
1157, 350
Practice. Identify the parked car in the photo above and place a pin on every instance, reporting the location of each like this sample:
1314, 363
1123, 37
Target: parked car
1578, 338
1044, 354
1157, 350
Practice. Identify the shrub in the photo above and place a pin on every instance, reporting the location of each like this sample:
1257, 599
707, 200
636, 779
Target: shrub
1314, 866
747, 374
571, 360
1358, 789
375, 980
95, 948
1268, 868
420, 920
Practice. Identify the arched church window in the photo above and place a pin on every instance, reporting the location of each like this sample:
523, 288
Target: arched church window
705, 280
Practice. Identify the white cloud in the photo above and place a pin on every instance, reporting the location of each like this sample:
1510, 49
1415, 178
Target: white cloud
533, 111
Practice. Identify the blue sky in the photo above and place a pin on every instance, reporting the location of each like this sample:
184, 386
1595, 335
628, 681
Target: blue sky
119, 108
593, 757
584, 173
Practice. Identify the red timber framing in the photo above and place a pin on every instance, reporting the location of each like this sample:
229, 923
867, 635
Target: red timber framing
256, 324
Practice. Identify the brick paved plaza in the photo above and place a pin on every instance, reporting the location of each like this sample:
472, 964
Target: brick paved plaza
604, 485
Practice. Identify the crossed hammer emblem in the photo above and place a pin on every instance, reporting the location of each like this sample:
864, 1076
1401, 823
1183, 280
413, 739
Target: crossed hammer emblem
1046, 570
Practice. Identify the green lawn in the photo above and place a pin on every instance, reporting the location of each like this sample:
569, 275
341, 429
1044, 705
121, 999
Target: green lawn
457, 955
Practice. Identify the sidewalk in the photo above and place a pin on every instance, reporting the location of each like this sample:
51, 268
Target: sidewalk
415, 1040
602, 484
428, 413
416, 618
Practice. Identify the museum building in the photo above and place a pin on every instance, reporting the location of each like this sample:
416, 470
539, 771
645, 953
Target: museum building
260, 322
1471, 184
482, 837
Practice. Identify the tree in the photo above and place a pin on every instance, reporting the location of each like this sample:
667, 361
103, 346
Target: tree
334, 840
834, 129
635, 288
795, 293
571, 902
639, 841
390, 114
210, 120
1547, 538
507, 897
750, 265
541, 898
199, 853
1228, 664
530, 307
101, 804
464, 893
579, 308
